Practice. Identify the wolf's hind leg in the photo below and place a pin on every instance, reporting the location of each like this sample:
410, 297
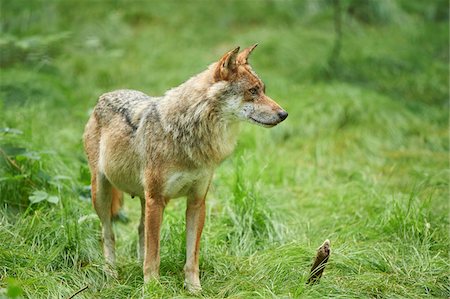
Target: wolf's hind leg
102, 206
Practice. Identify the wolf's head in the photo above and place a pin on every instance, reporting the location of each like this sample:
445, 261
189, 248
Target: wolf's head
243, 92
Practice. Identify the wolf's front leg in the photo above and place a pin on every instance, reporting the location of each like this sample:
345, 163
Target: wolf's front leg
154, 208
195, 219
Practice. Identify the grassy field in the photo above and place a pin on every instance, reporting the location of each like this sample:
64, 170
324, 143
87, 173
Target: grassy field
362, 160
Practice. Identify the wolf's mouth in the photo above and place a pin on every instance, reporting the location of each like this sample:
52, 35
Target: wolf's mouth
263, 123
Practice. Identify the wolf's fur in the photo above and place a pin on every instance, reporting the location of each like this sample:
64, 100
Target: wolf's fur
167, 147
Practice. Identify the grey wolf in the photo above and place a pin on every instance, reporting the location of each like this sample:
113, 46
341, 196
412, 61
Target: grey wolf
159, 148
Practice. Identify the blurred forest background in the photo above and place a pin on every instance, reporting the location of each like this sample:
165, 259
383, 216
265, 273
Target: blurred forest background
361, 160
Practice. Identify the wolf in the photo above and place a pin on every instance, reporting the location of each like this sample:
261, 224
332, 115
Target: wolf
159, 148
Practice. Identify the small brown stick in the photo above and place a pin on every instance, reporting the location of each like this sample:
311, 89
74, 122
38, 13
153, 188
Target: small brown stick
323, 253
79, 291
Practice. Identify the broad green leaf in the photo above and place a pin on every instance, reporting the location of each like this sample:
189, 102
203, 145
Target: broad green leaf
12, 150
38, 196
53, 199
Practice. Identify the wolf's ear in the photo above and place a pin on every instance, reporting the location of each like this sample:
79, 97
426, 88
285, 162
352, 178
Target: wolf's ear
243, 56
226, 67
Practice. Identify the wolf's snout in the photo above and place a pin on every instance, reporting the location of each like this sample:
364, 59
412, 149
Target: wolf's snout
282, 115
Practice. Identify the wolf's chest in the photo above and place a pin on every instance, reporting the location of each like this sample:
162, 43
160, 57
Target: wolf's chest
180, 183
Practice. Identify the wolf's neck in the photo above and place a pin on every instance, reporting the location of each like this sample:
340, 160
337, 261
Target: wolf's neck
193, 118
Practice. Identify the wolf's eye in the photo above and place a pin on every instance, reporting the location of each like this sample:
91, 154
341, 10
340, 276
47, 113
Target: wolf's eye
253, 91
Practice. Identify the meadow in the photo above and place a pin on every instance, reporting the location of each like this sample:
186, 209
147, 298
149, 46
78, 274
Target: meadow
362, 159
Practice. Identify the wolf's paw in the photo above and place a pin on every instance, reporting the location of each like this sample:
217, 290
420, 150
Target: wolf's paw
152, 277
151, 284
193, 288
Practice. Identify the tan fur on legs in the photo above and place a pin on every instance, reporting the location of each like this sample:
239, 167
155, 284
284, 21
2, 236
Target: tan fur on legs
154, 208
195, 219
103, 208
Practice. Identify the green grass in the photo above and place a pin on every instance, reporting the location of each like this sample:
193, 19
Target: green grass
362, 160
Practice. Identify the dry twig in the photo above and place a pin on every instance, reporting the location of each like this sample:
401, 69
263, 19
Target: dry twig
79, 291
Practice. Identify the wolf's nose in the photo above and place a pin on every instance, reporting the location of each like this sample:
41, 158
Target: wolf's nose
283, 114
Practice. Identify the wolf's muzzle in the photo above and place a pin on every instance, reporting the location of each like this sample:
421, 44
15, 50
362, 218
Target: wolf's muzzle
282, 115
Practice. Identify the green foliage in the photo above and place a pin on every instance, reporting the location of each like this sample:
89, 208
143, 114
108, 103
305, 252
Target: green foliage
249, 221
33, 50
21, 169
25, 175
362, 159
13, 289
373, 11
